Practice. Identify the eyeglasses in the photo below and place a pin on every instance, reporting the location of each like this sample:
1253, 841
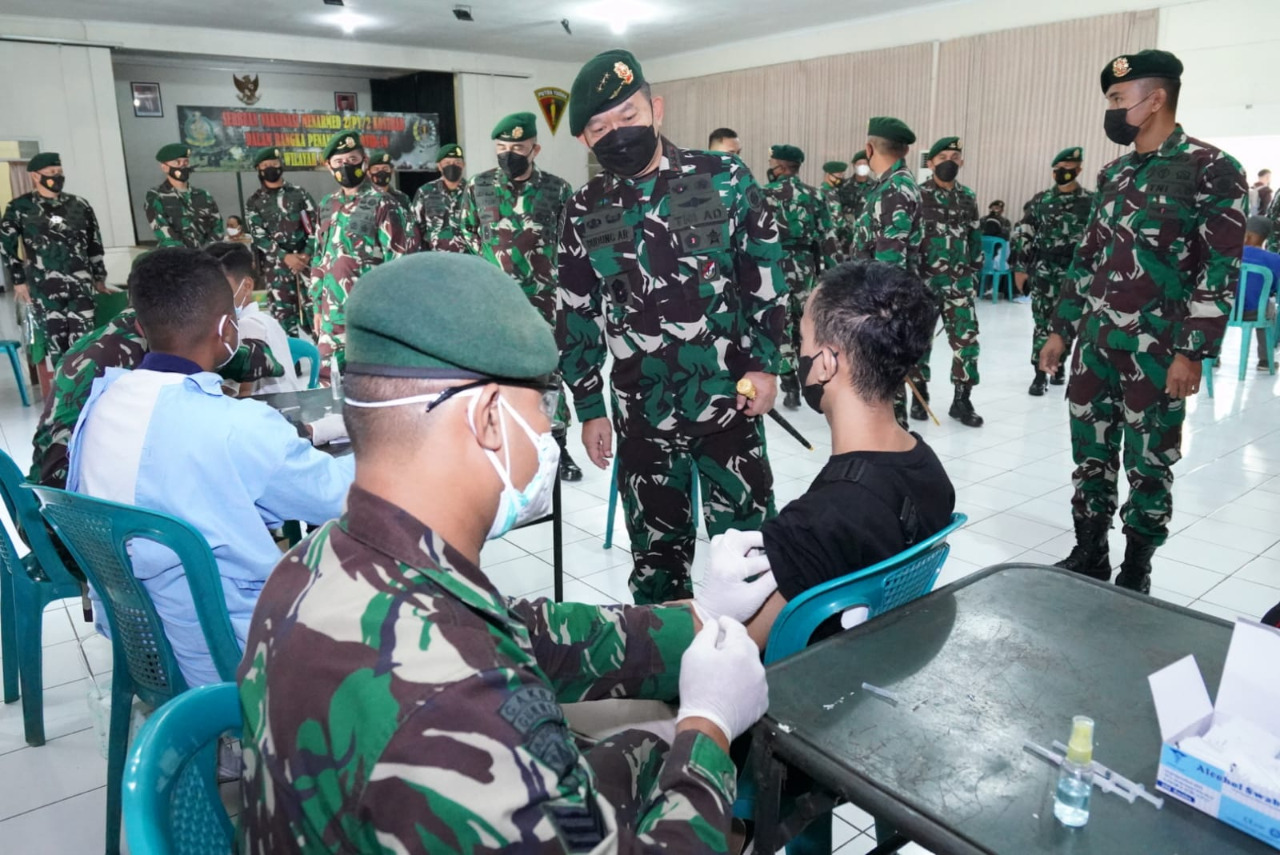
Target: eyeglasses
548, 405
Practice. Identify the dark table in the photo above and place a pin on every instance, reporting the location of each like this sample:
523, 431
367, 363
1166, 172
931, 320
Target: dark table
313, 404
1008, 654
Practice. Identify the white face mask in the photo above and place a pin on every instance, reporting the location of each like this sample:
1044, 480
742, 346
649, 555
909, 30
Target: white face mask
231, 230
231, 351
862, 170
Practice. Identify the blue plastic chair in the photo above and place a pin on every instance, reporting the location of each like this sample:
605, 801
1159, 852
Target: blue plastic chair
171, 801
97, 533
881, 587
1246, 327
613, 502
300, 349
995, 264
27, 586
12, 347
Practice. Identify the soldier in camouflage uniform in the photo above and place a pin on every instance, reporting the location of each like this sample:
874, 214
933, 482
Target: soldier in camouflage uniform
395, 701
889, 226
62, 255
281, 217
382, 175
357, 228
808, 244
437, 206
1148, 295
1043, 244
853, 193
179, 214
671, 261
833, 179
950, 266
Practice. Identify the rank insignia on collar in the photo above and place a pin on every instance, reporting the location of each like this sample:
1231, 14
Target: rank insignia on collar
1120, 67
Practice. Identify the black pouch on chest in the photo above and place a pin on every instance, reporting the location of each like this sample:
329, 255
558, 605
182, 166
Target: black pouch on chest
487, 203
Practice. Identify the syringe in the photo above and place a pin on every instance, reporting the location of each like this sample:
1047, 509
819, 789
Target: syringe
1132, 786
1104, 784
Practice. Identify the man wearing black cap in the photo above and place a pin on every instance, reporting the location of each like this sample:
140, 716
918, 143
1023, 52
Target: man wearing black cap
282, 218
833, 179
179, 214
1148, 296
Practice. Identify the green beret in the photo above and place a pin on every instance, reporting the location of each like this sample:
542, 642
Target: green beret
834, 167
1136, 66
172, 151
1075, 153
604, 82
265, 154
789, 153
341, 143
445, 314
517, 127
861, 155
43, 159
450, 150
379, 157
889, 128
944, 144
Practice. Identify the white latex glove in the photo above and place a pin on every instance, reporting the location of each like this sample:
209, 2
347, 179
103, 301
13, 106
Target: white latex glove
725, 589
328, 429
722, 678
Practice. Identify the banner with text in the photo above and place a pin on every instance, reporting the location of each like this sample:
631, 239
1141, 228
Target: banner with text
225, 139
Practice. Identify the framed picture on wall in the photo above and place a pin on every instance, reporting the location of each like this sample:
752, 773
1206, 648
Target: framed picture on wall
146, 101
345, 101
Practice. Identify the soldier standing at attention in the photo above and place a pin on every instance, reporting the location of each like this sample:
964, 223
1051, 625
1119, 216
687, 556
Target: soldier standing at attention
951, 262
511, 218
62, 257
357, 229
437, 206
1148, 295
1043, 244
179, 214
889, 226
833, 179
808, 245
670, 259
281, 218
382, 175
853, 193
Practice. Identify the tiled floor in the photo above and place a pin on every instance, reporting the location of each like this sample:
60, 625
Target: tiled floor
1012, 478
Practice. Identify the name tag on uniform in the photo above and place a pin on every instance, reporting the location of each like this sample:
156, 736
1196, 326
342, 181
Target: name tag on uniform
1175, 179
606, 227
693, 201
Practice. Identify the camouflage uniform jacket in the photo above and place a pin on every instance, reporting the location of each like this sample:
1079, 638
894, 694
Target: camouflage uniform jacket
889, 228
438, 212
394, 701
58, 236
841, 225
183, 217
515, 225
952, 240
678, 275
116, 344
1157, 270
353, 235
853, 196
1049, 232
804, 222
280, 222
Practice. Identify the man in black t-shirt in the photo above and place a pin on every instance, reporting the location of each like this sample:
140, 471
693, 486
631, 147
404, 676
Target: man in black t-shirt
883, 489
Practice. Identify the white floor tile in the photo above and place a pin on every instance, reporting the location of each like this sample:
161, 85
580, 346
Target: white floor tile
1235, 536
34, 777
521, 576
855, 816
1185, 579
1220, 611
72, 825
66, 711
1264, 571
1248, 598
1017, 530
584, 557
1199, 553
980, 549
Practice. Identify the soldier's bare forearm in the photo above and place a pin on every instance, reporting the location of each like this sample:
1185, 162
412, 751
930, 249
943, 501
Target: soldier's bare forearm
707, 728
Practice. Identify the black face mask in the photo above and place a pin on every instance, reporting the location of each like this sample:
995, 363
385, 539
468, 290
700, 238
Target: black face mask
270, 174
349, 175
382, 179
626, 152
452, 173
1063, 176
180, 173
53, 182
812, 392
1116, 124
947, 171
513, 164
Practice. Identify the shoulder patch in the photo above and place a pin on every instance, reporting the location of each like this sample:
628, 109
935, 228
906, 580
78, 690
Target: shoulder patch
536, 715
580, 827
755, 198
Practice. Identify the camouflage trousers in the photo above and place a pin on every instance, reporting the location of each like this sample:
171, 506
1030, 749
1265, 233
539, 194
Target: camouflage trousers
331, 316
1044, 298
284, 297
655, 472
63, 308
800, 273
1118, 395
960, 322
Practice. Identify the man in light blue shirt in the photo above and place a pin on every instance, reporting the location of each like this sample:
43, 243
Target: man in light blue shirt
165, 437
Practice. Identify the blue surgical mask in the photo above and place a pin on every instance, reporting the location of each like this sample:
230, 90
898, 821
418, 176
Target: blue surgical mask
517, 507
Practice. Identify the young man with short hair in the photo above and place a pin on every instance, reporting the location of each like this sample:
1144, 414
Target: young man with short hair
725, 140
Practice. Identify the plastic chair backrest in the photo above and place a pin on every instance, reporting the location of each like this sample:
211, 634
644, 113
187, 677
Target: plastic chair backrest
880, 587
171, 801
98, 533
1268, 288
995, 254
24, 510
300, 349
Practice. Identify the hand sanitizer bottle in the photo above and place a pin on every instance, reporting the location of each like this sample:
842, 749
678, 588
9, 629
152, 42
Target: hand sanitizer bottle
335, 378
1075, 781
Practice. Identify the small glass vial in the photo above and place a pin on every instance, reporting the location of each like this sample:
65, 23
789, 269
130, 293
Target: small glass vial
1075, 781
335, 378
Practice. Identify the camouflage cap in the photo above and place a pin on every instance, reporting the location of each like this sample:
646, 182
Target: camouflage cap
449, 150
172, 151
834, 167
44, 159
1075, 153
603, 83
788, 153
265, 154
443, 314
1136, 66
378, 157
857, 156
517, 127
889, 128
341, 143
944, 144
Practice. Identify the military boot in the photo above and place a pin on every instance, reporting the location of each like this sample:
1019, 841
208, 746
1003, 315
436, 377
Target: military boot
569, 470
1091, 556
1135, 572
918, 411
1038, 384
1059, 376
962, 408
791, 391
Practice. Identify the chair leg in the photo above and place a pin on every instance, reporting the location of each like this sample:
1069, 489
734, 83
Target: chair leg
117, 750
29, 611
1269, 336
613, 504
1206, 374
8, 636
17, 375
1246, 341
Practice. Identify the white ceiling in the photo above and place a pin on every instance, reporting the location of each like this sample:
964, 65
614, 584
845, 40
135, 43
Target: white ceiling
525, 28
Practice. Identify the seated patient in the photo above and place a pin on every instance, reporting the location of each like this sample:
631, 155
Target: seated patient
864, 327
164, 437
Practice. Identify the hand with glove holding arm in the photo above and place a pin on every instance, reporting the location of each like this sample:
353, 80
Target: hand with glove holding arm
722, 684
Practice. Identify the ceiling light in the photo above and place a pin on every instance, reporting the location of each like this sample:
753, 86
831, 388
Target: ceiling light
349, 21
619, 14
462, 13
333, 2
618, 26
